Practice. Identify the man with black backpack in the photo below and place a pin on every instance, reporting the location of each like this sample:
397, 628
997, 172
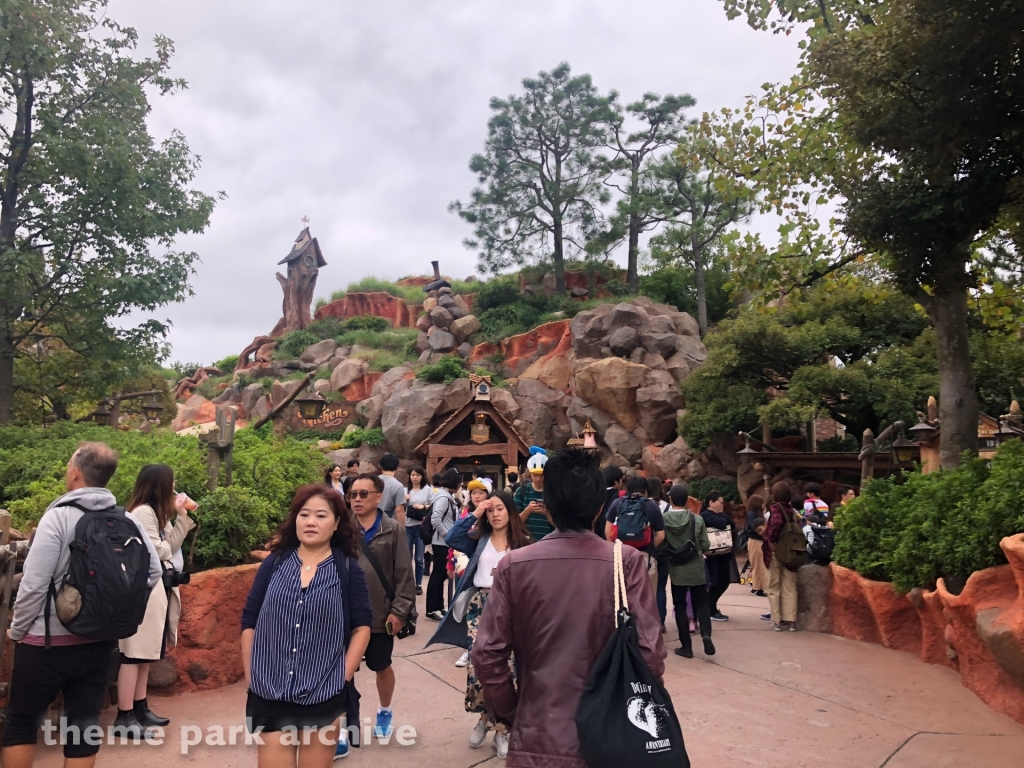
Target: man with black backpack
638, 522
65, 634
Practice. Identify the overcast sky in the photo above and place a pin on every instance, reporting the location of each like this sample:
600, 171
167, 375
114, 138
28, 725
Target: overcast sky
363, 117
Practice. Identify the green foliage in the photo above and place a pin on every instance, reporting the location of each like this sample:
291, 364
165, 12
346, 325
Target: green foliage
387, 349
185, 370
447, 370
366, 323
945, 524
293, 344
699, 489
846, 443
92, 203
227, 364
269, 469
411, 293
675, 286
354, 438
497, 293
233, 521
541, 177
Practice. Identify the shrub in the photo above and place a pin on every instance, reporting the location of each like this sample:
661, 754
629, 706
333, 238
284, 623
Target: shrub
701, 488
447, 370
227, 365
944, 524
497, 293
366, 323
410, 293
293, 344
358, 436
232, 522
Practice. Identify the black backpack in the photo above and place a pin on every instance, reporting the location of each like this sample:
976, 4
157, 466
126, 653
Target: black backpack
633, 527
819, 551
104, 594
427, 526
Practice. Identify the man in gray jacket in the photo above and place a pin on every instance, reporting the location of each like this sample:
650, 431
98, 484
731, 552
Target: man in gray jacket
74, 666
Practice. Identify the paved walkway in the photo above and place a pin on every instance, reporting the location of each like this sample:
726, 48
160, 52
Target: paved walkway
767, 699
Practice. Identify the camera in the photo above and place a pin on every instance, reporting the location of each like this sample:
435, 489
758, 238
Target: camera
174, 578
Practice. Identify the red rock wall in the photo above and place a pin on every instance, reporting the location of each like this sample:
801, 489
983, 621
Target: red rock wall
979, 633
209, 651
360, 389
525, 349
377, 304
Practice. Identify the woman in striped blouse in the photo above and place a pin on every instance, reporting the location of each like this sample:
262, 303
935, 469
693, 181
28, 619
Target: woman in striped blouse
305, 628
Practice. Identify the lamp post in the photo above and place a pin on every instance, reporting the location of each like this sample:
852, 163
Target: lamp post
903, 449
152, 409
311, 405
101, 415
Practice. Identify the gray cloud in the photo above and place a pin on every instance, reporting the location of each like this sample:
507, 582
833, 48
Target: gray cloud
363, 117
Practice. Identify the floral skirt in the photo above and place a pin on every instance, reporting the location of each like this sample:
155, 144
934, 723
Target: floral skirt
474, 692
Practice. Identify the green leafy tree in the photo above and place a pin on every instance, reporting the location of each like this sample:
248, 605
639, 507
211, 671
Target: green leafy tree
912, 128
90, 202
540, 175
661, 121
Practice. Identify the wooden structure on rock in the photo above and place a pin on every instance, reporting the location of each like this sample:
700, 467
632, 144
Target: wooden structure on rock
304, 262
474, 431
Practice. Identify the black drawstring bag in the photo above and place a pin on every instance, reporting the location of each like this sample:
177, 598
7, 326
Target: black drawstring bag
625, 716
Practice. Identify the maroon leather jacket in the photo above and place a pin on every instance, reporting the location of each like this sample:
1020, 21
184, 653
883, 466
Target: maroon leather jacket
552, 607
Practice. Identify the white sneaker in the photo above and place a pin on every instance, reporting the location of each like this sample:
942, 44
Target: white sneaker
476, 738
463, 660
501, 744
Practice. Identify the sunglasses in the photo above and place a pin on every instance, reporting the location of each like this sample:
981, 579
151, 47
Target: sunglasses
361, 494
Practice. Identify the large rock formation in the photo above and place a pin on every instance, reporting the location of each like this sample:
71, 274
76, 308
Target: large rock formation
377, 304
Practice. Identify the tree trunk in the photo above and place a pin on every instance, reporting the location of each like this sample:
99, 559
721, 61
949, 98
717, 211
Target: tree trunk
958, 399
633, 251
698, 278
558, 259
6, 376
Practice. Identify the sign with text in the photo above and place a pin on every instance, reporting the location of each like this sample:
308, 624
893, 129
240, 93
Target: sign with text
335, 417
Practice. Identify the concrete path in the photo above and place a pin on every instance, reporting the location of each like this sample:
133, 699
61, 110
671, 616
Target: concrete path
767, 699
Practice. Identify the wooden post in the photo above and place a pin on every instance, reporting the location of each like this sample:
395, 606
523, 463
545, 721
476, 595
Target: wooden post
766, 435
867, 457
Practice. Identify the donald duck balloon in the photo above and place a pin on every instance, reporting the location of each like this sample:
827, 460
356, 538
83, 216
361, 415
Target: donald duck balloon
538, 458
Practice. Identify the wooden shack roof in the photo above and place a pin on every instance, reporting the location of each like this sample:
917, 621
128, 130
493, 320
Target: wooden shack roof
303, 244
446, 426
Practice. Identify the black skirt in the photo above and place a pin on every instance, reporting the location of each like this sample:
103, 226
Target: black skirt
277, 715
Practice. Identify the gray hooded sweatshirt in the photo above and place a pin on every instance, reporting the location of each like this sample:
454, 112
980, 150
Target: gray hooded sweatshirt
50, 555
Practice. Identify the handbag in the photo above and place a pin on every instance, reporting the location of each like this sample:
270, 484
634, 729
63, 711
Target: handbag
409, 628
625, 716
721, 541
686, 552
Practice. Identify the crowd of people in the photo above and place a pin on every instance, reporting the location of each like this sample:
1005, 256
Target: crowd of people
340, 582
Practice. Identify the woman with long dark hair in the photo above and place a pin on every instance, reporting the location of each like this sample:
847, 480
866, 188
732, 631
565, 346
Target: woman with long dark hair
782, 586
153, 504
305, 628
656, 493
721, 568
444, 513
417, 506
486, 536
333, 477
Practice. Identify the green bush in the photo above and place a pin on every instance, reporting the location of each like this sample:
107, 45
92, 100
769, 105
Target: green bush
293, 344
232, 522
357, 437
366, 323
944, 524
410, 293
447, 370
701, 488
227, 365
497, 293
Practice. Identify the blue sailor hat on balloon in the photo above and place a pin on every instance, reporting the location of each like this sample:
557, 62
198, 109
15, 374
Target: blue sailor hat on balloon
538, 458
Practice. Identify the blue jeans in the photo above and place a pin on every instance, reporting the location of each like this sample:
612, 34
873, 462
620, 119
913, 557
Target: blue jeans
412, 533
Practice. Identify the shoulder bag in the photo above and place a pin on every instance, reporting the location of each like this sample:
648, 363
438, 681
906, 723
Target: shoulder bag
409, 628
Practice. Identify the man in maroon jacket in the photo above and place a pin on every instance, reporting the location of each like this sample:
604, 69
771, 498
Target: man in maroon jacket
552, 608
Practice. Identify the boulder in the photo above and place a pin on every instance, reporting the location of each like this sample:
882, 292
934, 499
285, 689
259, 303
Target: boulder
537, 391
637, 356
461, 303
456, 395
261, 409
620, 441
341, 456
679, 366
692, 349
423, 342
624, 341
423, 323
504, 404
554, 371
661, 324
441, 317
361, 388
163, 673
322, 385
580, 412
660, 343
625, 315
686, 325
429, 303
390, 380
445, 300
250, 396
723, 449
281, 390
695, 470
347, 372
671, 460
465, 327
196, 410
522, 350
656, 362
657, 401
457, 312
813, 585
318, 354
535, 423
465, 350
371, 410
611, 385
407, 417
442, 341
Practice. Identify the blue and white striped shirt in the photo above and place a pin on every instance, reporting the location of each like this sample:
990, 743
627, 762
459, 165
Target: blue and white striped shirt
298, 652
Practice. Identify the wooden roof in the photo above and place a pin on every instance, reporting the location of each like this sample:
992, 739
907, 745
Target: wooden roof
303, 244
467, 411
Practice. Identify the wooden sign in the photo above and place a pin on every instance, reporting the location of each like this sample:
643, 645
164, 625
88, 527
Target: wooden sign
335, 418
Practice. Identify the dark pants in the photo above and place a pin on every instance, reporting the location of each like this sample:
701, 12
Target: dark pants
662, 584
715, 591
412, 534
438, 577
79, 672
699, 600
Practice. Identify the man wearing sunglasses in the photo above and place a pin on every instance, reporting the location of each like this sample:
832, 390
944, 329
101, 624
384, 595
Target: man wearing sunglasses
383, 555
